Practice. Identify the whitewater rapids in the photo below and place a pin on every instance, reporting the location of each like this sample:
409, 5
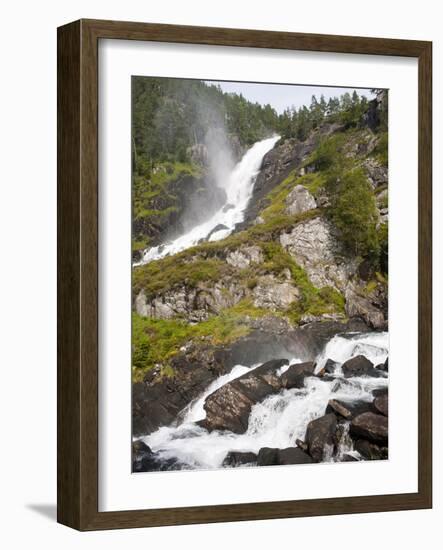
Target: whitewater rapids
238, 188
281, 418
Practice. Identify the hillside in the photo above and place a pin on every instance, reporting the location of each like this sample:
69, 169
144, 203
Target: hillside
308, 261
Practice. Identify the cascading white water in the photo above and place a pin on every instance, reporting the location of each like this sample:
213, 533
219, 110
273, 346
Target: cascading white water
238, 189
281, 418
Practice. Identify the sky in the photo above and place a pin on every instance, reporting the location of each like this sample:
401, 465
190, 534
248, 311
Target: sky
281, 96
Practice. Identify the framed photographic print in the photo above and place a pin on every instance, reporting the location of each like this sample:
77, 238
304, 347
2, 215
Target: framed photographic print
244, 275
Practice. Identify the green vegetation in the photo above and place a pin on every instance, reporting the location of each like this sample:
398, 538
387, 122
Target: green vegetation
354, 212
157, 277
170, 115
348, 110
156, 341
381, 150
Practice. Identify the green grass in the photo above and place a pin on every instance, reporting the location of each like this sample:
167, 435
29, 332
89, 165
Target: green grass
156, 341
162, 275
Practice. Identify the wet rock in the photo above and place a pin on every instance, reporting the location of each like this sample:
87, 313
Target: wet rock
384, 367
370, 451
330, 366
293, 455
139, 451
294, 377
228, 408
321, 436
267, 457
382, 405
370, 426
356, 407
337, 407
299, 200
146, 460
239, 458
359, 366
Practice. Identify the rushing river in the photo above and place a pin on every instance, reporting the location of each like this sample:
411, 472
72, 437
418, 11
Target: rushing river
281, 418
238, 188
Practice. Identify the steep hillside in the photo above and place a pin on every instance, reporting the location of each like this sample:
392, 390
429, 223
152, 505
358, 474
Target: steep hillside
308, 261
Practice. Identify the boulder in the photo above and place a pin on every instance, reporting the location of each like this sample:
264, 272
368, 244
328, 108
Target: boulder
293, 455
299, 200
359, 366
321, 436
294, 377
338, 408
282, 457
267, 457
229, 407
382, 405
370, 426
370, 451
239, 458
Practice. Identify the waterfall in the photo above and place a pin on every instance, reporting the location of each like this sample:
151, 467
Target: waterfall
238, 188
281, 418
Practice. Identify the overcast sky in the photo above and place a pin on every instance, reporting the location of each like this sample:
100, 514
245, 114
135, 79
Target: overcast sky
281, 96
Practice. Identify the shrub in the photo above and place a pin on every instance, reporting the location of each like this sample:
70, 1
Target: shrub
354, 213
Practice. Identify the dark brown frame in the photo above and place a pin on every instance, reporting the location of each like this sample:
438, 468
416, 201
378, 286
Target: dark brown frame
77, 480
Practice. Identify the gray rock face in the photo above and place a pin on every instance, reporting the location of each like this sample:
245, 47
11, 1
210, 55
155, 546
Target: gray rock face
194, 304
228, 408
245, 256
314, 247
377, 174
358, 306
270, 293
299, 200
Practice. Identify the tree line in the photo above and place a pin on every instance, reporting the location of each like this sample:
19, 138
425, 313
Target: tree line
171, 115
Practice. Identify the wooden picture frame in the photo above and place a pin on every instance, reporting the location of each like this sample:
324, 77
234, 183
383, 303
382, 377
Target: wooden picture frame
78, 274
